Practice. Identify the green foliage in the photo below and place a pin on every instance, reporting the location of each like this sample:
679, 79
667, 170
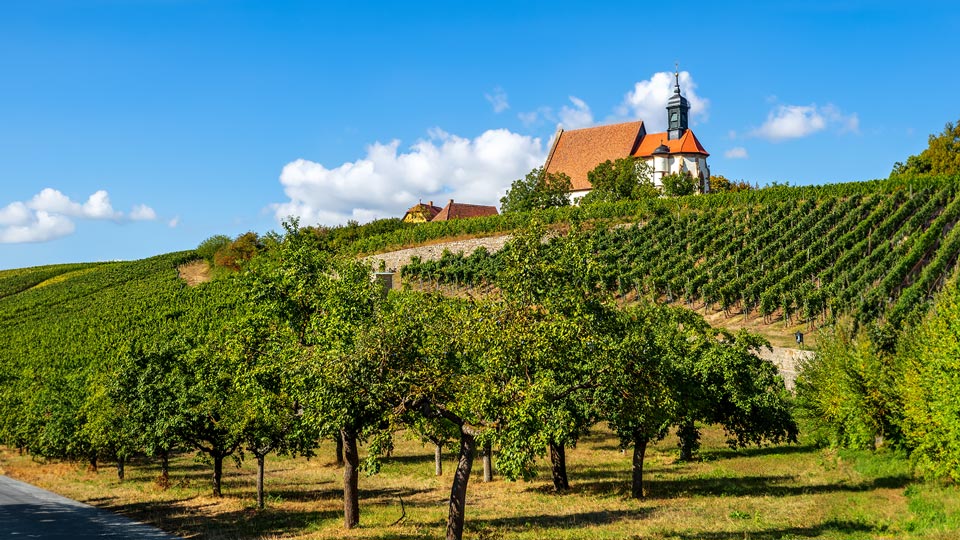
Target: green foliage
538, 190
721, 184
941, 157
846, 394
240, 250
627, 178
930, 386
208, 249
679, 184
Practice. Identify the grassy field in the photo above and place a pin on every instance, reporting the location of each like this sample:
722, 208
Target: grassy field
766, 493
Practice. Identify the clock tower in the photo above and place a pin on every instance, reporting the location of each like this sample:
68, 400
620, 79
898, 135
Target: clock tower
677, 109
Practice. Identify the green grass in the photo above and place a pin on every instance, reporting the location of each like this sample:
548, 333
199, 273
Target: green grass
782, 492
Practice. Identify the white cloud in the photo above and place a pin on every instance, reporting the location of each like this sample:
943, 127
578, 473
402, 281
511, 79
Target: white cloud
648, 100
50, 214
15, 213
174, 222
577, 116
796, 121
387, 181
142, 212
737, 152
97, 205
498, 99
45, 227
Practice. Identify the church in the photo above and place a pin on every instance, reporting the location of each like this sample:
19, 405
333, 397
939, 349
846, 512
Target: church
578, 151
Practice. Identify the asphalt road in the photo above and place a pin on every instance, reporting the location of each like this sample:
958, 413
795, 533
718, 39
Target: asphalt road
30, 512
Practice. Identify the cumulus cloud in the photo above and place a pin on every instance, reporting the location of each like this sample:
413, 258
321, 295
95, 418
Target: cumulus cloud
797, 121
142, 212
388, 180
648, 100
15, 213
498, 99
50, 214
43, 227
737, 152
577, 116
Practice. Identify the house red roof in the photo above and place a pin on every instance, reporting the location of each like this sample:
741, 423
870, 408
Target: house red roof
687, 144
462, 211
577, 151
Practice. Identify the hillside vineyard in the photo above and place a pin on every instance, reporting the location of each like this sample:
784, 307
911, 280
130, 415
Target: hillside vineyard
875, 250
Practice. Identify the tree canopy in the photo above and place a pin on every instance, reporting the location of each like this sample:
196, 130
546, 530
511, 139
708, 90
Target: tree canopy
628, 178
538, 190
941, 157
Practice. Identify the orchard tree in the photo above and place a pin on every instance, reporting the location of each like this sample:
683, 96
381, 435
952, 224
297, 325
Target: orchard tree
270, 383
637, 395
553, 325
149, 382
328, 306
724, 382
538, 190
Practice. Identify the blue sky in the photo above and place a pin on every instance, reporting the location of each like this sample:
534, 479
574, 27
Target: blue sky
130, 128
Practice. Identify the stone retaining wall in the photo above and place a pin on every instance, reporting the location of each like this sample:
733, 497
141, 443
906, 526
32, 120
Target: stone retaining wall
395, 260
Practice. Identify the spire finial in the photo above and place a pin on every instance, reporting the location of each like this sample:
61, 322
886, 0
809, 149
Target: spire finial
676, 75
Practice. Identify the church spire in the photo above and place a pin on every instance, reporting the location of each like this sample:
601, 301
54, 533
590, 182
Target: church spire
677, 109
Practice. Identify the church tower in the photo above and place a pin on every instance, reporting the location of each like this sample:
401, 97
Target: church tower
677, 109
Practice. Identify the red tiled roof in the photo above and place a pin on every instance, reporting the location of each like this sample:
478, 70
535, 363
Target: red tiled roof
687, 144
579, 151
462, 211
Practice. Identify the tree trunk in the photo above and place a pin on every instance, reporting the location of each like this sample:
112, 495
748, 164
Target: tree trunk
120, 467
689, 439
438, 459
639, 449
261, 458
351, 494
558, 460
458, 493
92, 466
165, 468
217, 474
339, 451
487, 463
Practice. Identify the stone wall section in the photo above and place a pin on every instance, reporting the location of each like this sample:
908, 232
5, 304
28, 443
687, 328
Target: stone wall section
395, 260
787, 361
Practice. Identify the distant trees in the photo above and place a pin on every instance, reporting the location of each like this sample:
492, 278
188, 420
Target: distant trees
942, 155
721, 184
538, 190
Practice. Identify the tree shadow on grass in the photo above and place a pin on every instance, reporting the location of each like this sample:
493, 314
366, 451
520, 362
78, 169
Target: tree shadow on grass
247, 523
563, 521
845, 527
734, 486
755, 451
336, 493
